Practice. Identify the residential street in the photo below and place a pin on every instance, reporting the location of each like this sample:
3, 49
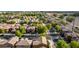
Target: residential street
76, 23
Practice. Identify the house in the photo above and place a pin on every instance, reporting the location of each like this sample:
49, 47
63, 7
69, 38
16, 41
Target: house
22, 39
4, 43
65, 32
30, 29
42, 47
31, 19
36, 44
7, 26
22, 44
16, 26
64, 29
29, 41
11, 30
68, 33
39, 42
44, 41
75, 37
13, 41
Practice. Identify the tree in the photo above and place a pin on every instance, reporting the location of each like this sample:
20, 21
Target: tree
65, 14
18, 33
42, 19
75, 14
55, 15
42, 29
49, 26
69, 38
22, 29
58, 28
70, 18
61, 44
0, 20
61, 16
35, 24
53, 24
63, 22
2, 31
74, 44
26, 21
4, 20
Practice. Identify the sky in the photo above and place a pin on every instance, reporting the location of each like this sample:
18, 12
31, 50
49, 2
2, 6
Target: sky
39, 5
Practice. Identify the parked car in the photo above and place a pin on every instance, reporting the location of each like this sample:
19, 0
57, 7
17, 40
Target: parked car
52, 29
55, 36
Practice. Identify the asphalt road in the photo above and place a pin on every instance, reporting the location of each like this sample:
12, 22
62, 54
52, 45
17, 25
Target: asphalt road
76, 23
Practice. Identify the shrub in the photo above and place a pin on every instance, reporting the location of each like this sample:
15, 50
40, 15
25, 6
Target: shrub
61, 44
58, 27
74, 44
22, 29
